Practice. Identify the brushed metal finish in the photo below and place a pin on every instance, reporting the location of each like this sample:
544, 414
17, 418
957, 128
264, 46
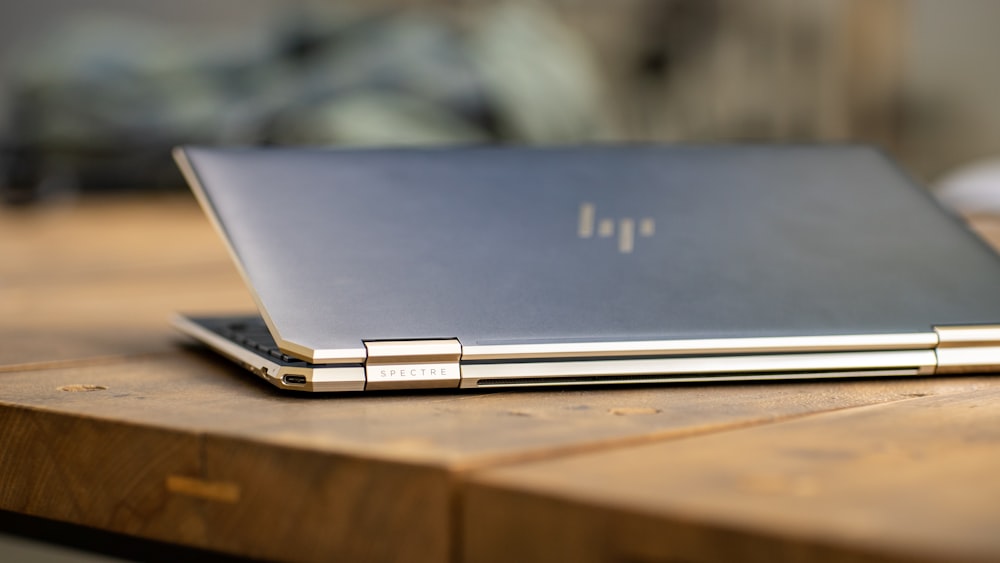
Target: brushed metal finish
343, 246
976, 359
834, 343
435, 363
703, 378
337, 379
403, 351
413, 364
975, 335
321, 379
320, 355
777, 365
968, 349
304, 353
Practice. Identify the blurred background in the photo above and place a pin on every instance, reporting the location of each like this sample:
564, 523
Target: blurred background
94, 93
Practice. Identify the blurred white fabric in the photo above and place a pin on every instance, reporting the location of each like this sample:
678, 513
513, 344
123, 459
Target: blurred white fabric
972, 189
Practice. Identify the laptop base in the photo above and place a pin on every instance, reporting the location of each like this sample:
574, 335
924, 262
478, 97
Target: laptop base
246, 340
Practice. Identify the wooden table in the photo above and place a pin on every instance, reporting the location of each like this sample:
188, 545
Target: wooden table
110, 420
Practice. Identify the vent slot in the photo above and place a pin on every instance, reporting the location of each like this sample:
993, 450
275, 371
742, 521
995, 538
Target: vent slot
688, 378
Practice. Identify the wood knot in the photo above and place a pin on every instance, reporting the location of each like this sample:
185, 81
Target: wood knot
81, 387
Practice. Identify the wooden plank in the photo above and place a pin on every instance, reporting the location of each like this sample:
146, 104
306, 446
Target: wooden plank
911, 480
90, 238
226, 462
119, 315
310, 505
84, 461
237, 496
106, 421
195, 391
99, 279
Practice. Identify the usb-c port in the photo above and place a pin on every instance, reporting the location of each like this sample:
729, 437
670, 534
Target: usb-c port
294, 380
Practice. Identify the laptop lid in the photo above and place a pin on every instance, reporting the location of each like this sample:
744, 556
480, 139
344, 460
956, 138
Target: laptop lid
561, 246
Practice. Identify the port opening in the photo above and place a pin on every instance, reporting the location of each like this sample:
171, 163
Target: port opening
294, 379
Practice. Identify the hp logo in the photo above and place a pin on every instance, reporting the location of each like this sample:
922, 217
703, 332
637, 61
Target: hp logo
589, 225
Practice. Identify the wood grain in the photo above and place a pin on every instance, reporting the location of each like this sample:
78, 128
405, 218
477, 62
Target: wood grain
84, 461
314, 505
108, 419
123, 315
911, 480
362, 478
276, 503
90, 239
98, 280
194, 391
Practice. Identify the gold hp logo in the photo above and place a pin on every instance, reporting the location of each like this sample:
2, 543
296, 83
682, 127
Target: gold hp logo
605, 227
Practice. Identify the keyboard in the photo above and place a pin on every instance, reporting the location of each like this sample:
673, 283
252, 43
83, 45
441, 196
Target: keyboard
251, 333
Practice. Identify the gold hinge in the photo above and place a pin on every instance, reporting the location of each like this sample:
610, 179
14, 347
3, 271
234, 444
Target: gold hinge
968, 349
413, 364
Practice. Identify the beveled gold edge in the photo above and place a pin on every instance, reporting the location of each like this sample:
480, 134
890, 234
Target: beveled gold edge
968, 335
305, 353
345, 378
328, 379
403, 351
322, 355
187, 169
222, 345
968, 349
780, 344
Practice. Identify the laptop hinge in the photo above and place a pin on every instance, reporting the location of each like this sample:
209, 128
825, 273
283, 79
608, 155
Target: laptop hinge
968, 349
413, 364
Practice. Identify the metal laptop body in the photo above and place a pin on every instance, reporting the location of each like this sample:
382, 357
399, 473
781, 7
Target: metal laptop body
497, 267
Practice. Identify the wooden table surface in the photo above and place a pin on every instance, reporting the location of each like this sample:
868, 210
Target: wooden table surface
110, 420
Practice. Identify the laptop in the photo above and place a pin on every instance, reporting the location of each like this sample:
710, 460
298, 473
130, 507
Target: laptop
485, 268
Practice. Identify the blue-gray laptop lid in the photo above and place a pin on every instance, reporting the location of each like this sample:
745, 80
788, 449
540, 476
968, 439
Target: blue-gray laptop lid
583, 244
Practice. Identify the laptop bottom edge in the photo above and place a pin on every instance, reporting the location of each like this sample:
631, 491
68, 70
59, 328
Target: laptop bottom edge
291, 374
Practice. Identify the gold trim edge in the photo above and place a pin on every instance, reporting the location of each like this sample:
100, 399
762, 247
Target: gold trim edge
304, 353
778, 344
968, 349
323, 379
920, 362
